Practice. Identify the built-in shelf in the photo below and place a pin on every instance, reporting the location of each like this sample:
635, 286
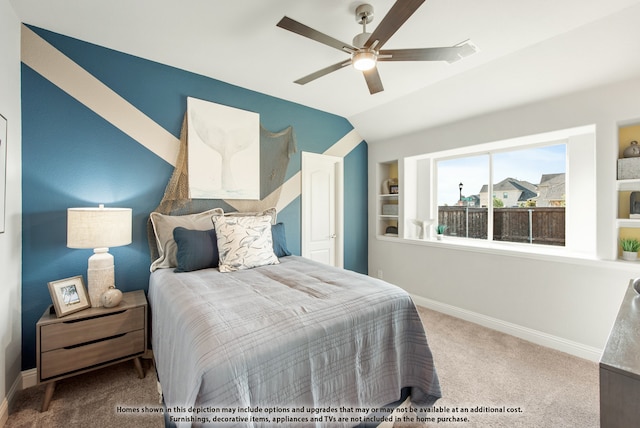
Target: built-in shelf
387, 171
626, 227
628, 185
628, 222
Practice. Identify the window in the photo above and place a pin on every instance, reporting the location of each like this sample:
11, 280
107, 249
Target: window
461, 181
535, 189
532, 201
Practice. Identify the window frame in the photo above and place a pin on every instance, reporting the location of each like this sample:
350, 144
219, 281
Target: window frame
580, 161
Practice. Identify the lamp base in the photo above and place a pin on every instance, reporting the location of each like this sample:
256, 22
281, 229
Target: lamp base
100, 275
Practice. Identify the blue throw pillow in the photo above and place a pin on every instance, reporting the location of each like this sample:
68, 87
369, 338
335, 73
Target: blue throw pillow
279, 240
197, 249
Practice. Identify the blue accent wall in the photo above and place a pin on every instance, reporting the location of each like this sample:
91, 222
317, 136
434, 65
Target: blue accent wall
355, 201
73, 157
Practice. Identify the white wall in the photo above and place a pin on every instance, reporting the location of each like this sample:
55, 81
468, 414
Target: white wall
10, 240
566, 303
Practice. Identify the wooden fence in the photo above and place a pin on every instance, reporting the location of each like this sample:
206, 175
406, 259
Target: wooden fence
537, 225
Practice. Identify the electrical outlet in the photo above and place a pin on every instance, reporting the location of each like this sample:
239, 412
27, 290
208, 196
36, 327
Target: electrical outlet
380, 276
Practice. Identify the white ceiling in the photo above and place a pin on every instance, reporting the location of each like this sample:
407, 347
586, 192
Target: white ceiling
529, 50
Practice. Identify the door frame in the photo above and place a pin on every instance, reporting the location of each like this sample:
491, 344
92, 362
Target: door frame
338, 242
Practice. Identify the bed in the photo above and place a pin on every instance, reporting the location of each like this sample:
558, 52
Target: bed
290, 342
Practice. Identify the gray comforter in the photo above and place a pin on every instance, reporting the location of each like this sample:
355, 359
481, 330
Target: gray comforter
299, 341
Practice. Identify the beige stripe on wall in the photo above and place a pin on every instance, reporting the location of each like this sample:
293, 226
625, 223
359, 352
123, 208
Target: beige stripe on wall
292, 188
60, 70
54, 66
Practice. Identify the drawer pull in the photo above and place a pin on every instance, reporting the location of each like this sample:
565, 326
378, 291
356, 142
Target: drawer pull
94, 317
94, 341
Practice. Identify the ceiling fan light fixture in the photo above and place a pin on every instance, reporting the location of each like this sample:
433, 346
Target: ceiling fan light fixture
364, 61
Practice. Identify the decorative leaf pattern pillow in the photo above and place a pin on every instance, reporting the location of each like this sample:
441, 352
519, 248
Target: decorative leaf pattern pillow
244, 242
268, 212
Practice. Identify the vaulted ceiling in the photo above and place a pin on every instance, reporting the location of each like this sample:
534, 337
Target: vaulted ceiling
528, 50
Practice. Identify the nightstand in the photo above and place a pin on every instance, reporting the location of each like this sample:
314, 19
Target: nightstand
89, 340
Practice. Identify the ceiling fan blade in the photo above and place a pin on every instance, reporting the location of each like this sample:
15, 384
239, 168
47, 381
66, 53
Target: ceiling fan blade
373, 80
299, 28
397, 15
449, 54
323, 72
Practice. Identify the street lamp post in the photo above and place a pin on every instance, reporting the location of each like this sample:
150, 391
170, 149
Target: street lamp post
466, 225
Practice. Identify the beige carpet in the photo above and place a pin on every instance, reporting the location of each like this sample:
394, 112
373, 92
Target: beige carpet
92, 400
478, 368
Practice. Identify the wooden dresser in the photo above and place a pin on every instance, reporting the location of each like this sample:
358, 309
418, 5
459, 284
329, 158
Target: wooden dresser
620, 367
90, 339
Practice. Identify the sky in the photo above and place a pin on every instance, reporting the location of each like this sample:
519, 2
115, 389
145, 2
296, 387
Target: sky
473, 171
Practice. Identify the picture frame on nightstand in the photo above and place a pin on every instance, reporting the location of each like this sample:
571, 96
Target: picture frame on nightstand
69, 295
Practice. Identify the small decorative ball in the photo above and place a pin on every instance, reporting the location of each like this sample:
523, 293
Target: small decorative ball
110, 298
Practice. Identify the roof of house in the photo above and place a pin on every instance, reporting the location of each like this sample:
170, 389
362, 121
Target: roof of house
509, 184
552, 187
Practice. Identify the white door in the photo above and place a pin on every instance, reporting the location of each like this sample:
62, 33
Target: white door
322, 208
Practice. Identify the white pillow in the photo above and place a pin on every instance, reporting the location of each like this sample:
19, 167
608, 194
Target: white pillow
269, 211
244, 242
163, 226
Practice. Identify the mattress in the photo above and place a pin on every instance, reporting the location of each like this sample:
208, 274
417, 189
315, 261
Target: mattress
300, 341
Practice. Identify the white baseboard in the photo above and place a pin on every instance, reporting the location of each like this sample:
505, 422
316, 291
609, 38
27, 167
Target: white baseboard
29, 378
570, 347
4, 406
4, 412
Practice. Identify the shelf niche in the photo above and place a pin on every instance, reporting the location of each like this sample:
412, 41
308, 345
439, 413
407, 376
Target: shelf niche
626, 184
388, 201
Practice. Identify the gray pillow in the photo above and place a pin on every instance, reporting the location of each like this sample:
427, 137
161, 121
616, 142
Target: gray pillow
163, 226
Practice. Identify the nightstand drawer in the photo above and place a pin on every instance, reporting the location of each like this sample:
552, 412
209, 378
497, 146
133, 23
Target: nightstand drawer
69, 333
65, 360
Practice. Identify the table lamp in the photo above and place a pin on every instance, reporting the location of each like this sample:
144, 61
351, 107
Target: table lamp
99, 228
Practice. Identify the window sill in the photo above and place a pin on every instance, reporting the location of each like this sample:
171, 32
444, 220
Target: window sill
513, 249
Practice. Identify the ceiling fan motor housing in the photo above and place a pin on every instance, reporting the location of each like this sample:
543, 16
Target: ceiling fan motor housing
360, 39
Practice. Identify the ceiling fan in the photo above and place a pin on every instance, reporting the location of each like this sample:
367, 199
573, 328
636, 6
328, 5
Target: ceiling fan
366, 48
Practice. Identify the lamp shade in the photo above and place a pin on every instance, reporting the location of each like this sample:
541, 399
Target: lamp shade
98, 227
